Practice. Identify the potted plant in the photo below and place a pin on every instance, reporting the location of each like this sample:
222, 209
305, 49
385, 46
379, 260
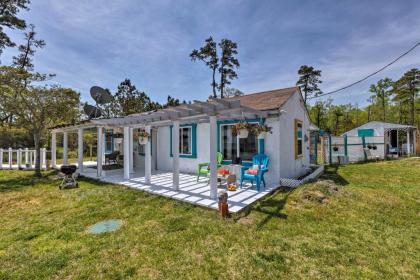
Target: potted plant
369, 147
118, 138
242, 129
261, 130
143, 137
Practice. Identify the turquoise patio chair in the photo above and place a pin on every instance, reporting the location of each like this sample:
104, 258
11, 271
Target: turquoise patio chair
204, 168
261, 161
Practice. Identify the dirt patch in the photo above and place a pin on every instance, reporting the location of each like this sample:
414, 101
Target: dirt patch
321, 192
247, 221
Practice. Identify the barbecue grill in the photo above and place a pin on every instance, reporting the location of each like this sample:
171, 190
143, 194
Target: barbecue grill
69, 180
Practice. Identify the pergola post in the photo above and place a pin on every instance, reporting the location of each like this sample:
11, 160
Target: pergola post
27, 155
43, 158
65, 144
53, 151
1, 158
175, 153
10, 157
213, 151
19, 158
131, 150
80, 149
126, 152
148, 158
408, 143
99, 154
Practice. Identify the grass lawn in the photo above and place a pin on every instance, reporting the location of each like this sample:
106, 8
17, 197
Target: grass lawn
360, 221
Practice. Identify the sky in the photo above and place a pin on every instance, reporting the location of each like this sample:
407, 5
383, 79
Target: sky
102, 42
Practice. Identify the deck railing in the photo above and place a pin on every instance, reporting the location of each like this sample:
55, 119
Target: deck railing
21, 158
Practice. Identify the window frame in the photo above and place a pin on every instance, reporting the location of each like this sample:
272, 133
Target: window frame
193, 141
297, 138
260, 142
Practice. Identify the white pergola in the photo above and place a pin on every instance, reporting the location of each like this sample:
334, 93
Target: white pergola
199, 112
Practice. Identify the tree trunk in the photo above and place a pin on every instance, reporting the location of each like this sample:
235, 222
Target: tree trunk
369, 112
214, 83
90, 152
37, 142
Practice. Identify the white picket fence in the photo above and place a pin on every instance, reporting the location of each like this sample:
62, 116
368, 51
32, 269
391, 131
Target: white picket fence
25, 158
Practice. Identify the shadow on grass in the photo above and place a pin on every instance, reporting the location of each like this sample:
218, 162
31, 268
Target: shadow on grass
25, 180
331, 173
270, 206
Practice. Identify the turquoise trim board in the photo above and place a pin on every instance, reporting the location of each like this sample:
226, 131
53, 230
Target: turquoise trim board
365, 132
193, 141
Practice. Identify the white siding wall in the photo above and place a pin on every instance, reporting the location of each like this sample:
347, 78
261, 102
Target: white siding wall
187, 165
289, 166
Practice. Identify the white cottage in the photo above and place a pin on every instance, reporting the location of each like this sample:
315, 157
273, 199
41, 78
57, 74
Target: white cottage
394, 139
182, 137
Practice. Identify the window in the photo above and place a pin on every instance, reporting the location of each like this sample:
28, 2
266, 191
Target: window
109, 141
298, 139
187, 141
248, 147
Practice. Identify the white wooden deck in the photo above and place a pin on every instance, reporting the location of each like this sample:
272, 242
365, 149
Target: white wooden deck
190, 190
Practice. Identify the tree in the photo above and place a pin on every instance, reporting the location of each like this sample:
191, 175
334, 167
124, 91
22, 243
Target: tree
225, 65
232, 92
129, 100
171, 102
208, 54
26, 51
36, 108
8, 18
319, 112
228, 62
381, 92
406, 91
309, 81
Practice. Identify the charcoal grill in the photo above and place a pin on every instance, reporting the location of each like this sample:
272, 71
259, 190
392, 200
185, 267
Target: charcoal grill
69, 180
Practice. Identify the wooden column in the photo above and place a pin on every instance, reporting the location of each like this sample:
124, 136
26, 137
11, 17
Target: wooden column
99, 154
408, 142
131, 150
213, 162
65, 144
148, 158
175, 153
126, 152
53, 151
80, 149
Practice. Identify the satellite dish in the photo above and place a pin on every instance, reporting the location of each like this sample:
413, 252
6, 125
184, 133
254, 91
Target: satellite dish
91, 111
100, 95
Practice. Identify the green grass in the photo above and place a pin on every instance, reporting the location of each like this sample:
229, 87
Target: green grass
360, 222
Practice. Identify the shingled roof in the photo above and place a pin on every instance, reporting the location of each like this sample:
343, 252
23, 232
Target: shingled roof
267, 100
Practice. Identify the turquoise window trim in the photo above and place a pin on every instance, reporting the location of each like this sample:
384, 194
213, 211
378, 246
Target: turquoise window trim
193, 141
261, 142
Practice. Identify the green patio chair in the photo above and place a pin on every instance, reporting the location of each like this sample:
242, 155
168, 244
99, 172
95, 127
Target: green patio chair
204, 168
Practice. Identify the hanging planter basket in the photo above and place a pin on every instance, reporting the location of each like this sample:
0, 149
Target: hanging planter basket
143, 140
143, 137
118, 140
262, 135
243, 133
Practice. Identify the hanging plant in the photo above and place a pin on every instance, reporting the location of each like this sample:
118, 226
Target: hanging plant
335, 148
242, 129
374, 147
143, 137
261, 130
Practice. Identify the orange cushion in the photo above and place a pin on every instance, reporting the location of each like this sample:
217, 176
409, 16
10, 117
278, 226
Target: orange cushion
252, 171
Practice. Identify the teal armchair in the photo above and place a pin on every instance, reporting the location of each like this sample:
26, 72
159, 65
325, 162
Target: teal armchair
204, 168
262, 161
